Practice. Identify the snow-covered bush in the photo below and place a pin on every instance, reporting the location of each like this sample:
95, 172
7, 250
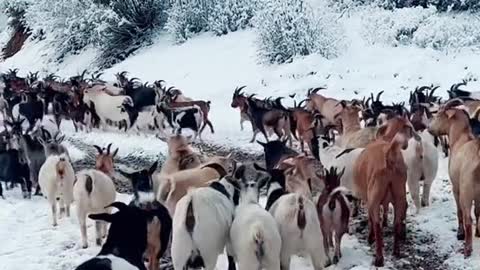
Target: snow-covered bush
231, 15
440, 5
392, 27
15, 10
69, 25
288, 28
132, 28
189, 17
444, 32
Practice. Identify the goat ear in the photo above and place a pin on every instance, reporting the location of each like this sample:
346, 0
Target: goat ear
104, 216
381, 131
61, 139
41, 140
239, 172
264, 180
153, 168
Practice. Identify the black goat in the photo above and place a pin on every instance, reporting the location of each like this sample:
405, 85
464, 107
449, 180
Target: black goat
142, 95
14, 169
126, 241
144, 197
275, 152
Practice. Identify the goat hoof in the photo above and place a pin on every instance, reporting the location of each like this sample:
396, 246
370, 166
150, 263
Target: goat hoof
460, 235
328, 263
98, 241
378, 261
84, 246
335, 259
468, 252
424, 203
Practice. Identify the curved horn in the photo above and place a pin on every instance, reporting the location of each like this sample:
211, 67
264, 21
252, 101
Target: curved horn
379, 94
99, 149
452, 103
423, 88
108, 148
463, 83
301, 102
314, 91
119, 205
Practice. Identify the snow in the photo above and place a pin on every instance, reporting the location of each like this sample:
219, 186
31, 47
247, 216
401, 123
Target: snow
208, 67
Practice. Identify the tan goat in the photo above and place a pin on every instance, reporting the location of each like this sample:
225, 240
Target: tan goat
326, 106
353, 135
180, 157
174, 186
305, 168
463, 167
380, 172
104, 160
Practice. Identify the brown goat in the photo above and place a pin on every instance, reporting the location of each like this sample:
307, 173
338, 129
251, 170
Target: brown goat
104, 160
305, 168
305, 124
239, 100
334, 212
380, 172
463, 175
326, 106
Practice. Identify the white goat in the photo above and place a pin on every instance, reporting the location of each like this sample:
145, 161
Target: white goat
299, 228
56, 177
421, 158
255, 240
93, 191
201, 225
109, 108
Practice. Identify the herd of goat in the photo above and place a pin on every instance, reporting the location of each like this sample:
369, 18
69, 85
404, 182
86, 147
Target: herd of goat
360, 153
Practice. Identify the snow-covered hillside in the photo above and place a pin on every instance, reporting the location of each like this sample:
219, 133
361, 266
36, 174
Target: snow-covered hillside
209, 67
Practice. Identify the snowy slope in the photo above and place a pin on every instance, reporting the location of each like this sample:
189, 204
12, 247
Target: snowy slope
210, 68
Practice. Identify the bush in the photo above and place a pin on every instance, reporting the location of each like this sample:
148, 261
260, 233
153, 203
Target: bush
132, 27
288, 28
440, 5
189, 17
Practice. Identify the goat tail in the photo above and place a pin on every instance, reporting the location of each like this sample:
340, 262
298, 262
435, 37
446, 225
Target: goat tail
301, 219
259, 241
190, 217
344, 197
61, 166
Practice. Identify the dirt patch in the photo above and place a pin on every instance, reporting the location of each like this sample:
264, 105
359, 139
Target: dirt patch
16, 42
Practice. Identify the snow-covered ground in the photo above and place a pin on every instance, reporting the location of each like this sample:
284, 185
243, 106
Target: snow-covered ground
208, 67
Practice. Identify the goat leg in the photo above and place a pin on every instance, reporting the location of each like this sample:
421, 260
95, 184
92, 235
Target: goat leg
477, 218
98, 231
460, 229
426, 194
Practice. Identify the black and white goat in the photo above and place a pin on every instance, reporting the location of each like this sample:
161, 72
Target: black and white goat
201, 225
255, 239
31, 109
160, 223
178, 119
126, 241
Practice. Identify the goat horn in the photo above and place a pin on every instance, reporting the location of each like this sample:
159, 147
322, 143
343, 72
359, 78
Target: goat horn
99, 149
421, 89
108, 148
314, 91
452, 103
379, 94
301, 102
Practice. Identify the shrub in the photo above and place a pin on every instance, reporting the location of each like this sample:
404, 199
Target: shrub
231, 15
132, 27
288, 28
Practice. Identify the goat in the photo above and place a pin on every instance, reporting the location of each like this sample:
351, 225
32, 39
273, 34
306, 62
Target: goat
104, 159
353, 136
56, 177
180, 156
35, 156
15, 170
160, 226
305, 125
255, 239
380, 171
334, 212
298, 222
204, 107
108, 108
196, 241
53, 145
421, 158
455, 92
326, 106
239, 100
174, 186
464, 164
275, 152
126, 241
140, 120
92, 191
31, 109
274, 118
185, 117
